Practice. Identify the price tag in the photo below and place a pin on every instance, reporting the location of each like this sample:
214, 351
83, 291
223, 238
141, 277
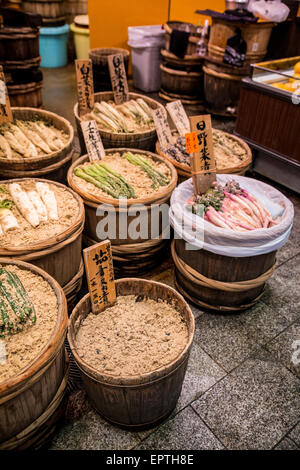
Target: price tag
203, 163
5, 109
191, 142
92, 140
179, 116
118, 78
100, 275
162, 128
85, 86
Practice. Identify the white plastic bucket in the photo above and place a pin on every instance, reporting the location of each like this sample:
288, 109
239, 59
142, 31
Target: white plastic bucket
146, 43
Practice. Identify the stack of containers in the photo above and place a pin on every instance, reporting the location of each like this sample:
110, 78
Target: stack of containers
20, 57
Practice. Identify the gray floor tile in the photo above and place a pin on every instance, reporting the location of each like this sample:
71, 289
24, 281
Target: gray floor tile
202, 373
295, 434
254, 406
286, 444
284, 286
286, 348
185, 431
292, 247
225, 339
92, 432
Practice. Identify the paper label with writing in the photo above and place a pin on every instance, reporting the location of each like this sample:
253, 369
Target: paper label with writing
85, 86
203, 163
191, 142
5, 110
92, 140
100, 275
179, 116
118, 78
162, 128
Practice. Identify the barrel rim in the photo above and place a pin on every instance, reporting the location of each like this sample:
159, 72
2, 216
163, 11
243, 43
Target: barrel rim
47, 243
44, 357
140, 378
115, 202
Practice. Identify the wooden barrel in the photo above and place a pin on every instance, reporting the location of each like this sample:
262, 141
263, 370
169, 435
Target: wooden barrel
182, 82
184, 171
195, 34
139, 140
38, 163
47, 9
226, 269
59, 256
73, 287
217, 53
74, 8
256, 35
142, 400
26, 94
32, 402
221, 91
19, 43
189, 62
100, 66
112, 206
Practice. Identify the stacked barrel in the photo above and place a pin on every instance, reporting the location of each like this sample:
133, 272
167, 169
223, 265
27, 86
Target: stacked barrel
222, 81
182, 78
52, 11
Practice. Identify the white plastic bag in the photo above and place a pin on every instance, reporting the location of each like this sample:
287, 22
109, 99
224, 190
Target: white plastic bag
203, 234
271, 10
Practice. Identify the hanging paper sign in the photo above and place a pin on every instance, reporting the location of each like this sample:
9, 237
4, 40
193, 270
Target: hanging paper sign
100, 275
92, 140
5, 109
203, 163
162, 128
85, 86
179, 116
118, 78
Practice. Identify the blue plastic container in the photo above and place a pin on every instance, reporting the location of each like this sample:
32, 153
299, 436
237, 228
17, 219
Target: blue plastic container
53, 46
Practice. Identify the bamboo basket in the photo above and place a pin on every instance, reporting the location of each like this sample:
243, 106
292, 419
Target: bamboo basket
19, 43
140, 140
181, 82
59, 256
138, 401
101, 74
31, 402
227, 270
195, 34
256, 35
92, 202
184, 171
39, 163
47, 9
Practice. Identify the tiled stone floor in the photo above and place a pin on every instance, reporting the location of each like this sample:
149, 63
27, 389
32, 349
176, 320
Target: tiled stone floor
241, 390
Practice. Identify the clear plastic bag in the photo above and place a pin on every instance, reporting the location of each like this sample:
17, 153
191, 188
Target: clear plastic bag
203, 234
271, 10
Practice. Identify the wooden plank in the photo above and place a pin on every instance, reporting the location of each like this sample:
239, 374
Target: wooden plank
100, 275
5, 109
203, 163
179, 116
92, 140
162, 128
85, 86
118, 78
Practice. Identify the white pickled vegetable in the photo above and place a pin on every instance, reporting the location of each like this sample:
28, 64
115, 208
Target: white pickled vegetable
5, 150
49, 200
7, 221
24, 204
38, 205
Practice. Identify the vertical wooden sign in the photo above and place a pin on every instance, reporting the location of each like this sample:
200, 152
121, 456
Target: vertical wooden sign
179, 116
162, 127
100, 275
118, 78
85, 86
92, 140
5, 109
203, 163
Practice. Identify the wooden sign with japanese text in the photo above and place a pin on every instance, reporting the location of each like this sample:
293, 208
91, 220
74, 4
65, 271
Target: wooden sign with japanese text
100, 275
85, 86
203, 163
118, 78
179, 116
92, 140
162, 127
5, 109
